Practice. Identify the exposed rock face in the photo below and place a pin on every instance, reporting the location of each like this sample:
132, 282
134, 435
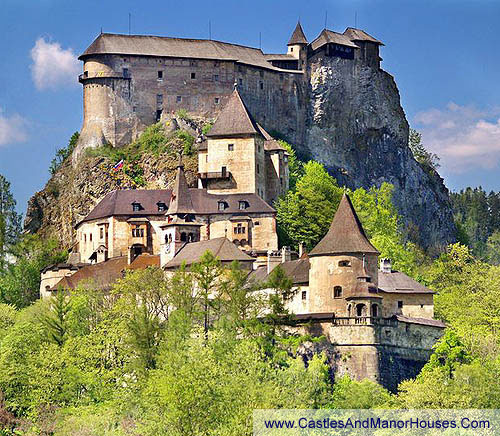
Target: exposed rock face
74, 191
358, 130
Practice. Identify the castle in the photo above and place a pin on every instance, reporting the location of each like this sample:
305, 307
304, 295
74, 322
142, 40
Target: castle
130, 81
378, 323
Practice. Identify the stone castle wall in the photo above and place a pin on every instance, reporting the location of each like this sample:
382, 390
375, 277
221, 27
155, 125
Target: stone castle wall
124, 94
387, 353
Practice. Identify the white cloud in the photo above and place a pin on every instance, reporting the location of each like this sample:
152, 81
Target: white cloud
52, 65
464, 137
12, 129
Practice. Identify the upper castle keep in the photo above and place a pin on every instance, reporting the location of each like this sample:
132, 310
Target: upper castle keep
129, 81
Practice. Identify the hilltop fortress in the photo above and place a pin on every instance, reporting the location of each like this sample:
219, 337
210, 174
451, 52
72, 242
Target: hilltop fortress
329, 97
129, 81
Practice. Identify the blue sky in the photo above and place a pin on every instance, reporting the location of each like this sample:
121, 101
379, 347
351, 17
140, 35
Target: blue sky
442, 53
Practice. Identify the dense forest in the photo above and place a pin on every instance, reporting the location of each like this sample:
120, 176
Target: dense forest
477, 217
150, 357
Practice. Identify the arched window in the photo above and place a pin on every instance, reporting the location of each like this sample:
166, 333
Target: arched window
183, 237
337, 292
170, 237
374, 310
360, 310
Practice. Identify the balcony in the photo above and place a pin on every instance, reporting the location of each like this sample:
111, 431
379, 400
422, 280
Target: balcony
364, 320
215, 175
103, 75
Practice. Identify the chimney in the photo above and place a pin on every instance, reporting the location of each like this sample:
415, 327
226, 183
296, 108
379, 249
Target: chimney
286, 254
385, 265
301, 249
269, 252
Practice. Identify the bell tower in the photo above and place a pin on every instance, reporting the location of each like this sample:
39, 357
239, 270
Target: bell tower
181, 227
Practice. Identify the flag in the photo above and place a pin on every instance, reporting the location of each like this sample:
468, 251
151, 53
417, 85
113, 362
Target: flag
118, 166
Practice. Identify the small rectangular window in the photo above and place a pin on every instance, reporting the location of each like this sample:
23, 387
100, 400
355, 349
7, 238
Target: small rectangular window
160, 75
400, 304
158, 114
256, 223
159, 98
240, 82
216, 77
230, 147
193, 75
304, 295
126, 73
258, 169
91, 237
101, 232
216, 100
261, 84
179, 99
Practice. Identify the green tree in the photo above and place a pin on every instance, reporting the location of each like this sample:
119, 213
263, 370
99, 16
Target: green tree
207, 277
364, 394
10, 220
493, 248
20, 280
56, 320
305, 214
295, 166
63, 153
421, 155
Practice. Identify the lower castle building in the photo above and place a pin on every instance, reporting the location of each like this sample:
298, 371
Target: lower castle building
378, 323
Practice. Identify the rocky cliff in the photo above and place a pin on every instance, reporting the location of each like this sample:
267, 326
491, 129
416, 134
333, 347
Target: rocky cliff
357, 128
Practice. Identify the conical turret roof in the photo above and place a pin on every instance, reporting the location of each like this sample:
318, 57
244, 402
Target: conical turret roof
234, 119
298, 36
346, 234
180, 202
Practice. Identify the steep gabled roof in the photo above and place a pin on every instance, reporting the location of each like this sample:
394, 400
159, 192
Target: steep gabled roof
234, 119
147, 45
346, 234
180, 202
329, 36
221, 248
298, 36
360, 35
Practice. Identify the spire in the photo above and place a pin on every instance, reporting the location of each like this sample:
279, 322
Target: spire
298, 36
180, 201
234, 119
346, 234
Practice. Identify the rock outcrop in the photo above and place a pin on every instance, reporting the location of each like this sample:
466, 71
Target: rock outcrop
357, 128
75, 189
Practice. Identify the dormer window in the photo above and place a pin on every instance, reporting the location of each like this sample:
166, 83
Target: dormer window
344, 263
243, 204
222, 205
136, 207
162, 207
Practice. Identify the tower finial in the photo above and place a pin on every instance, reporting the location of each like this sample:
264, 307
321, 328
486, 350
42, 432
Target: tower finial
235, 86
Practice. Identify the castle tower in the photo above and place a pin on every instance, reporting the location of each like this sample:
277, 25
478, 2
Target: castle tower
343, 278
181, 227
297, 46
235, 160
